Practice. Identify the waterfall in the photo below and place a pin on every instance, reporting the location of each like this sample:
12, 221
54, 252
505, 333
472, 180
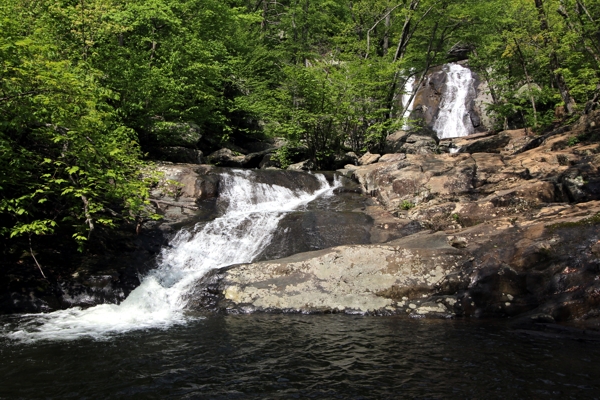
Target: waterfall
453, 118
253, 211
408, 107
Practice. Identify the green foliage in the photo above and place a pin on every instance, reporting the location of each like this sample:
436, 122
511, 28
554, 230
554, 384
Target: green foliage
284, 155
572, 141
553, 48
406, 205
88, 87
67, 161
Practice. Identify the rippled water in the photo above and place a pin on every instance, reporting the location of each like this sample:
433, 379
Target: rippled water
295, 356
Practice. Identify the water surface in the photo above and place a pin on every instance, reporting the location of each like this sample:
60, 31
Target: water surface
298, 356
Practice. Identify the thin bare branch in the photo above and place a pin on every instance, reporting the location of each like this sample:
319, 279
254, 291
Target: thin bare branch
374, 26
35, 259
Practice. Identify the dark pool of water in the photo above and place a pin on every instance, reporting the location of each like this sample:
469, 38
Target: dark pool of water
294, 356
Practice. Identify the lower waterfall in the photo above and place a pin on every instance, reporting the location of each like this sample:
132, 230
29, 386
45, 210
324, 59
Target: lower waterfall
252, 213
453, 119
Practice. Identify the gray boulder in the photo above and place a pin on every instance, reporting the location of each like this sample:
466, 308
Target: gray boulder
254, 160
340, 160
490, 144
226, 158
419, 144
376, 279
395, 141
368, 159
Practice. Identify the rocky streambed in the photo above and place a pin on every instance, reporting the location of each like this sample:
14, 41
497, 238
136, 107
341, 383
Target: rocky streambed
508, 225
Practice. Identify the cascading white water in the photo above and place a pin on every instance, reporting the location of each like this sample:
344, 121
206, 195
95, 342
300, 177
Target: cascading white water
453, 118
239, 236
408, 107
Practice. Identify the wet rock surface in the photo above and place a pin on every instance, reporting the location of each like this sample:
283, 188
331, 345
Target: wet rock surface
186, 195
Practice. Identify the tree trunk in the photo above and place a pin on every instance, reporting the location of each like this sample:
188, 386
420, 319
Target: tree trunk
386, 35
554, 64
529, 87
402, 43
387, 18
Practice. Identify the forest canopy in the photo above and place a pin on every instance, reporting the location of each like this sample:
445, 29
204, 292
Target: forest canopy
89, 87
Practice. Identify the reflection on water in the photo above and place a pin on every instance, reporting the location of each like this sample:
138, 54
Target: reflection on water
294, 356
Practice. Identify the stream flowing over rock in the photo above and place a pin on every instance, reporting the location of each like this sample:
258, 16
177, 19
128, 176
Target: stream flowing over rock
507, 227
452, 101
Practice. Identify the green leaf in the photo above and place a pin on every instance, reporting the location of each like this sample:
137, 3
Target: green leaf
72, 170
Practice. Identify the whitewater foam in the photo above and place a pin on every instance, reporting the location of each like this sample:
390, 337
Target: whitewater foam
453, 118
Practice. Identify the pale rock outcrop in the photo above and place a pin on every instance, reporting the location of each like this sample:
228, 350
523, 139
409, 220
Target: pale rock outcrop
497, 269
226, 158
377, 279
306, 165
368, 159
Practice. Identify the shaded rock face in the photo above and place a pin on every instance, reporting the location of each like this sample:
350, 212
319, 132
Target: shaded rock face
340, 160
428, 97
226, 158
395, 141
346, 218
492, 144
230, 159
460, 51
178, 154
106, 274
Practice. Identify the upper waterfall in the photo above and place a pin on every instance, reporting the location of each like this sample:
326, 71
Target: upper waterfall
453, 119
408, 100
